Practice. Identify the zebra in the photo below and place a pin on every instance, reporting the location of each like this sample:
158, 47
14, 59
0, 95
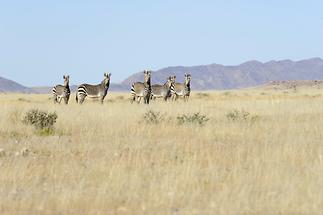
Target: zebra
62, 91
142, 90
162, 91
183, 90
93, 91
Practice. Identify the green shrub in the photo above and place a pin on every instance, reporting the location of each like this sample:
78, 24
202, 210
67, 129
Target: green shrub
242, 115
41, 120
195, 118
153, 117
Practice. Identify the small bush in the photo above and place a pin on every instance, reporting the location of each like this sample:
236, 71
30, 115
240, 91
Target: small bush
242, 115
153, 117
195, 118
202, 95
41, 120
23, 100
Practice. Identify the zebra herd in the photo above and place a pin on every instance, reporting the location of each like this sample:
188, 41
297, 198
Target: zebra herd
169, 90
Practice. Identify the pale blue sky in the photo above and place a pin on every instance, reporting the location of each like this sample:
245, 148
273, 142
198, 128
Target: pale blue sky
42, 40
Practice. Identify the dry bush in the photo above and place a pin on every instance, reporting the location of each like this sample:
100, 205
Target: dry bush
241, 115
195, 119
153, 117
41, 120
202, 95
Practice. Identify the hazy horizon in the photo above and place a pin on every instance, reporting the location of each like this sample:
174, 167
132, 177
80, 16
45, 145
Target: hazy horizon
41, 41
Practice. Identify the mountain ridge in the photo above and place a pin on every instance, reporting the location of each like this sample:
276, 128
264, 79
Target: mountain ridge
217, 76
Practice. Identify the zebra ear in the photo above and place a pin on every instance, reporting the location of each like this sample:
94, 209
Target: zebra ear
63, 76
109, 74
105, 74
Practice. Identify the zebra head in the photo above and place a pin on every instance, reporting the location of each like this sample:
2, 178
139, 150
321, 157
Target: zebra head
66, 80
173, 79
106, 80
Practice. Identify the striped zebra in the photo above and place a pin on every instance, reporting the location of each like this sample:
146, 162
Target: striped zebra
142, 90
182, 90
62, 91
162, 91
93, 91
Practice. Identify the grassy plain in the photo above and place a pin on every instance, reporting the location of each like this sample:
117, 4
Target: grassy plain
261, 152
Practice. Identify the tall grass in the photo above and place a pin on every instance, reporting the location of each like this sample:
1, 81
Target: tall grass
102, 159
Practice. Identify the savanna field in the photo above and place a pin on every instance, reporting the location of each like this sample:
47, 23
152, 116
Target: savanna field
224, 152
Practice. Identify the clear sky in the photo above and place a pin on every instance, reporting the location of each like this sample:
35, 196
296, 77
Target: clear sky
40, 40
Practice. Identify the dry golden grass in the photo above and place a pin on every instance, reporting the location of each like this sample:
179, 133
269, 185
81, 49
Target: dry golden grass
103, 159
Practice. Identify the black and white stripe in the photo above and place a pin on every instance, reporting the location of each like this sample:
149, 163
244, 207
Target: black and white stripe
142, 90
182, 89
62, 91
93, 91
162, 91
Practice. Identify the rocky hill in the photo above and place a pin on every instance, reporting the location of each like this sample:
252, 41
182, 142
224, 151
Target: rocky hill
249, 74
11, 86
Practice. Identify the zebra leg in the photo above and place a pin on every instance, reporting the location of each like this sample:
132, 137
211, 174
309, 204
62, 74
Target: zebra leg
54, 99
59, 100
66, 100
173, 97
81, 99
102, 98
138, 99
187, 97
147, 99
133, 98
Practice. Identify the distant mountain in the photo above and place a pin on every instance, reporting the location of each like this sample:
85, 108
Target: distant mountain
11, 86
214, 76
248, 74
